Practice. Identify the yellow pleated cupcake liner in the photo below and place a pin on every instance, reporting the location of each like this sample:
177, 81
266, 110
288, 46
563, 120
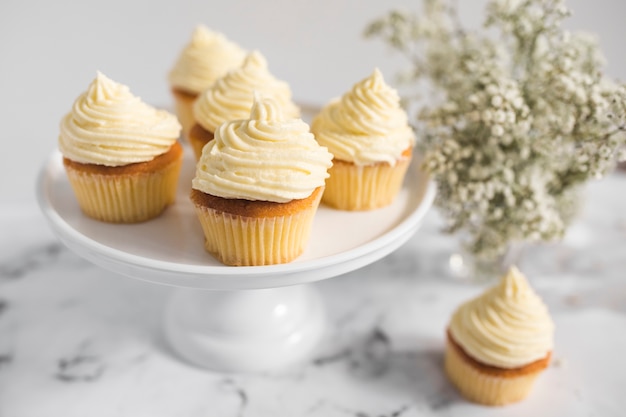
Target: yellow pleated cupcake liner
251, 241
483, 388
353, 187
129, 198
184, 111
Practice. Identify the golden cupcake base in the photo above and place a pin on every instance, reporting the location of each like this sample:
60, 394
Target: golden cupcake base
128, 194
268, 234
489, 385
353, 187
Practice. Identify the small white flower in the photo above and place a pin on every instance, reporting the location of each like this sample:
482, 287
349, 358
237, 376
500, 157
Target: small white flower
566, 64
518, 102
510, 95
510, 117
499, 116
497, 130
496, 101
508, 175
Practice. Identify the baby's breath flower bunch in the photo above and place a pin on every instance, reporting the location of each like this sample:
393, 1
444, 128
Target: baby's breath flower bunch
524, 116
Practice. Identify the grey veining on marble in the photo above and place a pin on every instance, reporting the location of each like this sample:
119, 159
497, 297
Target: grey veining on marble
77, 340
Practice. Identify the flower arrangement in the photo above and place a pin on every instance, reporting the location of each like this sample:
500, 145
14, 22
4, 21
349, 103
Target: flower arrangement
522, 116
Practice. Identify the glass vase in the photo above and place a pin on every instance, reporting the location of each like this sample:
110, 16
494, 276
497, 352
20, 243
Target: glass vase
465, 266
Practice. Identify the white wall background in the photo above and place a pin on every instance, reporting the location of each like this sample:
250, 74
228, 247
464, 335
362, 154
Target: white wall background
50, 51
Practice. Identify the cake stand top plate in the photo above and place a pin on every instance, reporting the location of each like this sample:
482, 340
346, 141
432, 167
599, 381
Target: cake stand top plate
169, 249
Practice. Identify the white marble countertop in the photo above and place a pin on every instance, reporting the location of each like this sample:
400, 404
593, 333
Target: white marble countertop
77, 340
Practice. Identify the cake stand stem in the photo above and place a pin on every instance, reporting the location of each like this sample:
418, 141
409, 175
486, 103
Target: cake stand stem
245, 331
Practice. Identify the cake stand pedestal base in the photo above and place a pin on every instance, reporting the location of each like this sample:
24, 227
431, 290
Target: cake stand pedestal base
245, 331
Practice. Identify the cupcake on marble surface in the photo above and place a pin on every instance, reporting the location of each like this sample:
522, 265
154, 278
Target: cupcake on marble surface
121, 155
257, 187
499, 342
231, 98
368, 133
208, 56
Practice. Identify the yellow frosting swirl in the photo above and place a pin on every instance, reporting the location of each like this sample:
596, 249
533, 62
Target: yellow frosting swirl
265, 157
231, 97
207, 57
366, 125
110, 126
508, 326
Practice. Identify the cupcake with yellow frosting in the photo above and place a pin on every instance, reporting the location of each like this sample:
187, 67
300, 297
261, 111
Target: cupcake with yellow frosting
231, 98
368, 133
499, 342
121, 155
208, 56
257, 187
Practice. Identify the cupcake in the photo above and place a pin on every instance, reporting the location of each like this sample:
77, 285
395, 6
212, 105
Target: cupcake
121, 155
257, 187
369, 135
498, 343
207, 57
231, 98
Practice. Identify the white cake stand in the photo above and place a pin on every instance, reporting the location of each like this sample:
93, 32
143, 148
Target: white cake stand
262, 317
